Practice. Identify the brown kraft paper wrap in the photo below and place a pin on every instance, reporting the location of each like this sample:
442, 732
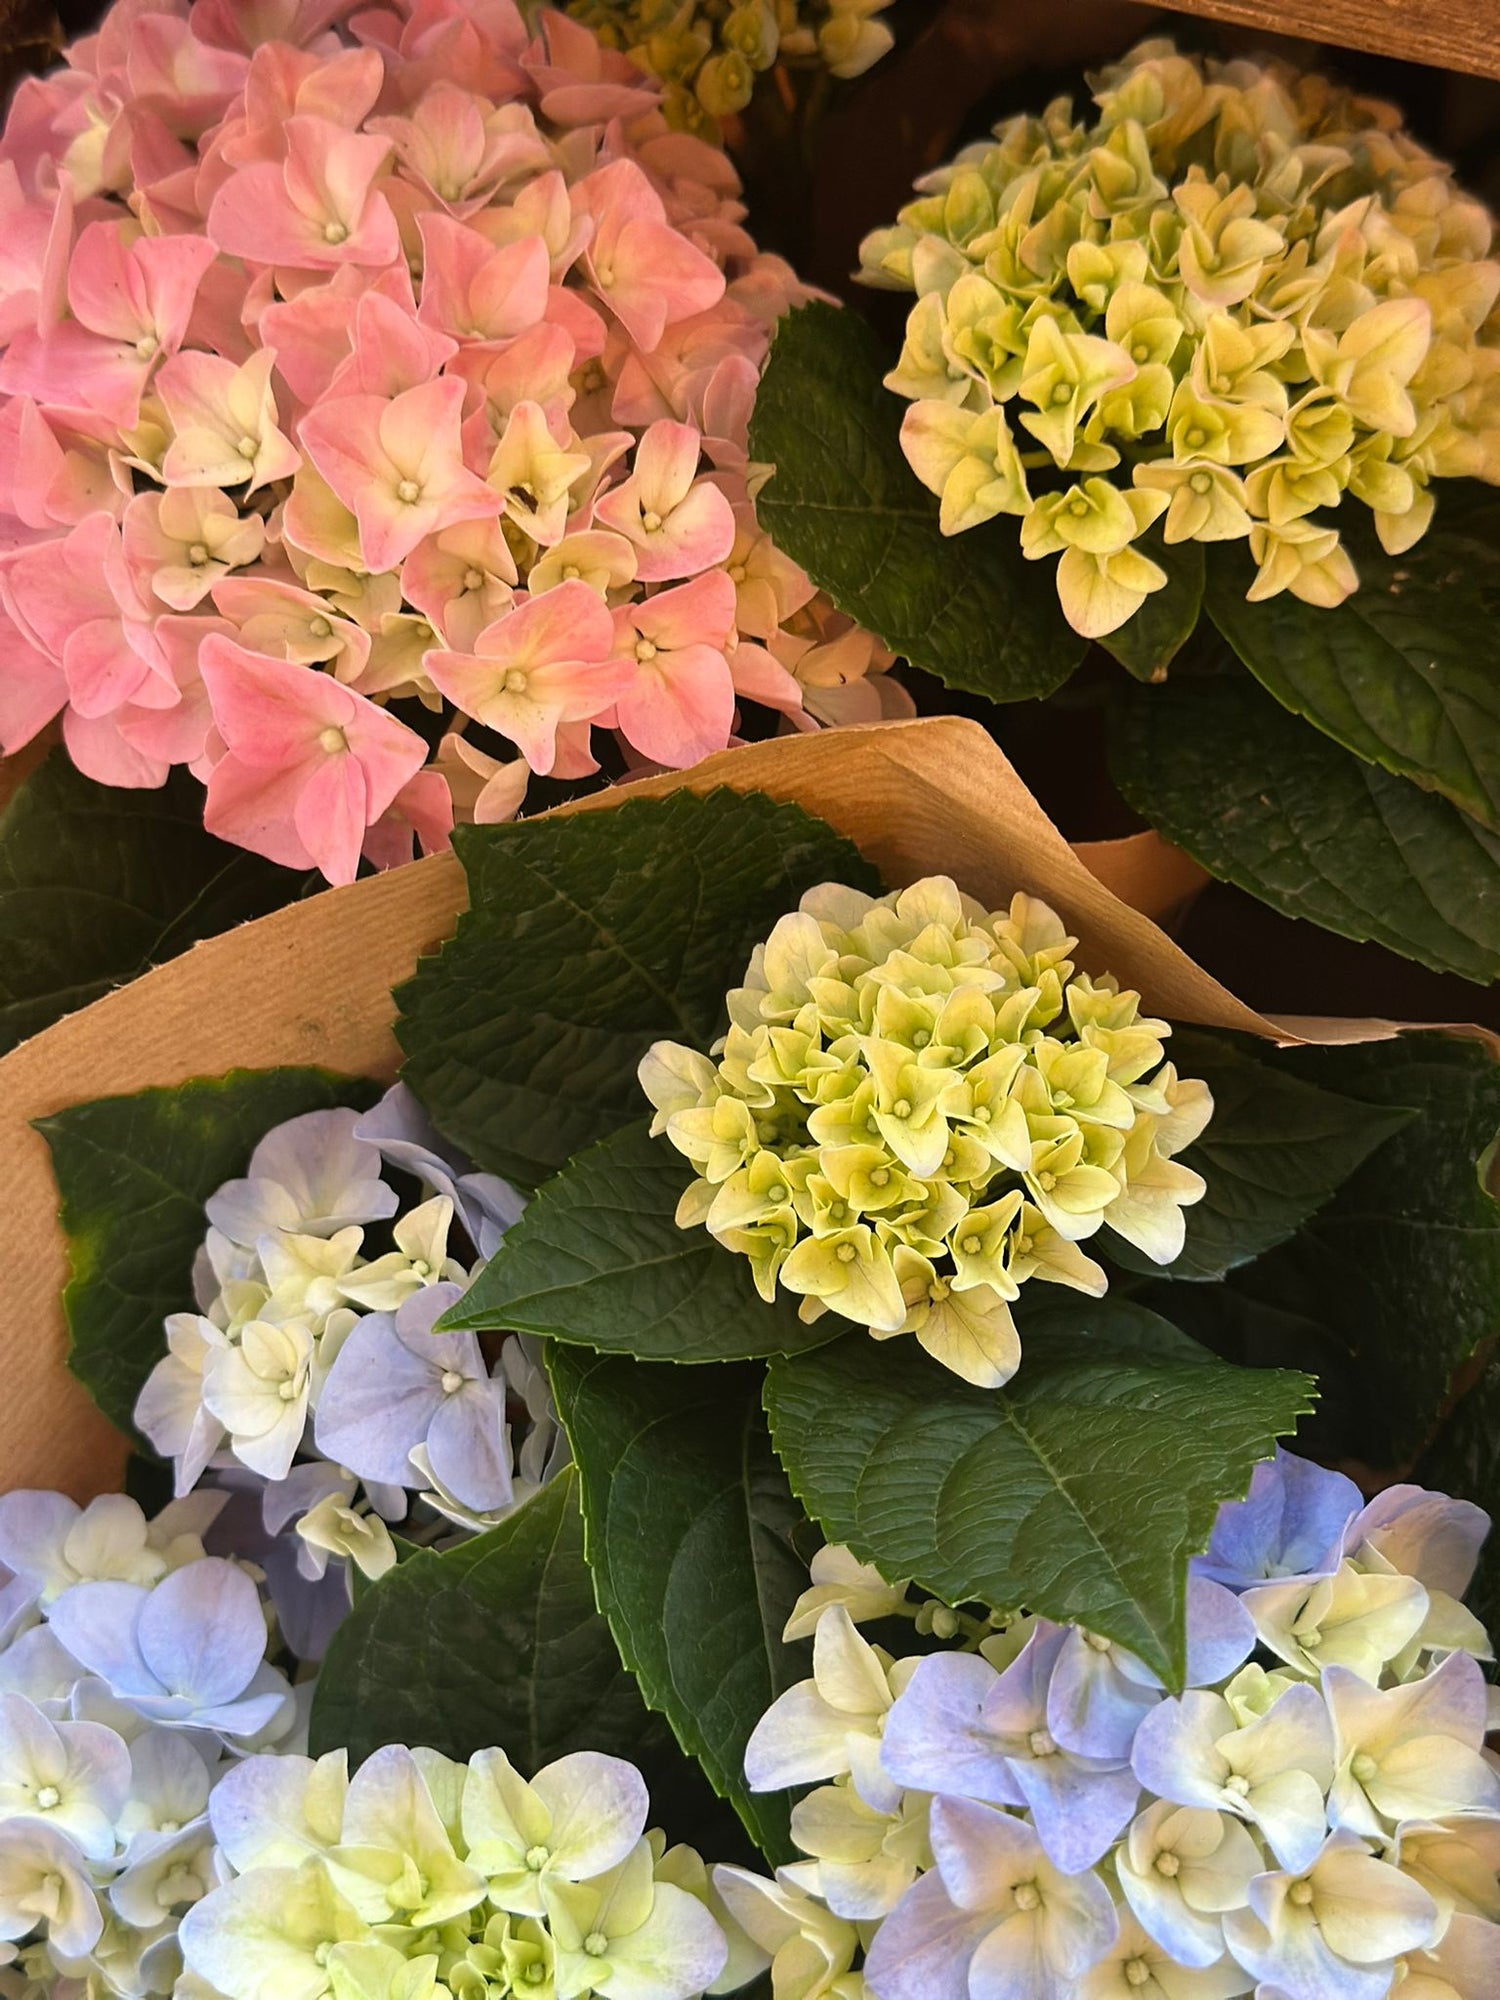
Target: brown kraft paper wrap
312, 984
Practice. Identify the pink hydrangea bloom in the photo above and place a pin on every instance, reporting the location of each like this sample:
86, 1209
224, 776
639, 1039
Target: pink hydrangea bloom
361, 358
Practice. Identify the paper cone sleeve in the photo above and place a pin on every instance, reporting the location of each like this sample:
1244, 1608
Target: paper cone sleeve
312, 984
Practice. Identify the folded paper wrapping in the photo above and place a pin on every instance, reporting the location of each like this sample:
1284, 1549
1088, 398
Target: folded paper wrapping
312, 984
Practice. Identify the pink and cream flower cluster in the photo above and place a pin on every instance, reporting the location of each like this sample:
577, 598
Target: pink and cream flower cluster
371, 365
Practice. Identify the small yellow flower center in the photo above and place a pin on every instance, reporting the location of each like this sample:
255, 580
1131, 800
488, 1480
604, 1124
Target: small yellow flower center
452, 1381
1197, 438
776, 1192
1136, 1971
1201, 482
1078, 506
1140, 352
645, 649
537, 1858
286, 1391
332, 740
1240, 1787
1097, 1640
145, 347
596, 1944
1046, 1182
651, 520
248, 446
1167, 1864
473, 579
1028, 1896
319, 628
515, 680
1300, 1893
48, 1797
972, 1245
982, 1114
845, 1253
335, 232
408, 492
881, 1177
1062, 394
1364, 1767
1043, 1743
901, 1108
198, 554
1221, 385
571, 572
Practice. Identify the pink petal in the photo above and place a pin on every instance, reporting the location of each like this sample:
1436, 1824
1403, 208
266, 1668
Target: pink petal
255, 806
32, 688
694, 536
102, 753
696, 613
270, 712
331, 815
680, 707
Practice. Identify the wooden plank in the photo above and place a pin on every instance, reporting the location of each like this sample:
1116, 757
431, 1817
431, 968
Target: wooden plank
1452, 34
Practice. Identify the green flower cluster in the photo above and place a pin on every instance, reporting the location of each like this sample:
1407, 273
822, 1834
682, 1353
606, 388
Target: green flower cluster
708, 53
1237, 296
917, 1107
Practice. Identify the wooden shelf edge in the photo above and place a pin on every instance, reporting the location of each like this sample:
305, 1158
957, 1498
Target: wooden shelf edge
1450, 34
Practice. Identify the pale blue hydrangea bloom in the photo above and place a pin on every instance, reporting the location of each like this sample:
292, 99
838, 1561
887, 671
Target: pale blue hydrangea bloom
395, 1384
1314, 1818
310, 1366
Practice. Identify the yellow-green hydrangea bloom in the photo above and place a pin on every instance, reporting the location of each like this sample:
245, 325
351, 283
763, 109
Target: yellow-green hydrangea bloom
1238, 291
708, 54
918, 1106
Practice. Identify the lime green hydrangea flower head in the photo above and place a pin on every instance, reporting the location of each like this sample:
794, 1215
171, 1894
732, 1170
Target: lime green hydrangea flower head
708, 53
918, 1106
1238, 291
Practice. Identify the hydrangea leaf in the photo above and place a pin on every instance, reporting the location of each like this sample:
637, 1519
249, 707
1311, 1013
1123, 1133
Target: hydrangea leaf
598, 1260
1464, 1460
586, 939
1276, 1149
1147, 644
498, 1641
1079, 1491
1403, 1265
1267, 803
98, 884
1406, 672
133, 1173
844, 503
688, 1523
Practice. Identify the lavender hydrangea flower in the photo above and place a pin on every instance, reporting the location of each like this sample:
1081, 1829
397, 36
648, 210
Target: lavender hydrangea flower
405, 1138
396, 1384
1292, 1523
311, 1175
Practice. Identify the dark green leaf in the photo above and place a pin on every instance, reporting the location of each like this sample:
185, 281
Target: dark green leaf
688, 1524
1465, 1461
134, 1173
1148, 643
1265, 802
586, 940
498, 1642
1275, 1150
1403, 1265
98, 884
1079, 1491
845, 504
1406, 672
598, 1260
